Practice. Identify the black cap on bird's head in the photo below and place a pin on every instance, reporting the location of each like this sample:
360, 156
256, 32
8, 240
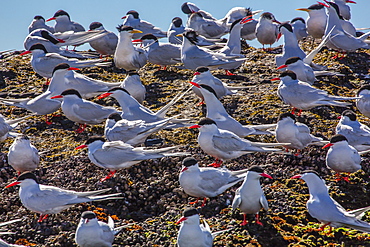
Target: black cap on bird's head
338, 138
94, 25
115, 116
149, 36
116, 89
335, 6
289, 73
61, 13
88, 215
27, 175
285, 115
287, 26
38, 46
350, 114
134, 13
365, 87
190, 212
292, 60
38, 17
192, 36
202, 69
122, 28
61, 66
255, 169
185, 8
316, 6
93, 139
298, 19
177, 21
71, 92
206, 121
189, 161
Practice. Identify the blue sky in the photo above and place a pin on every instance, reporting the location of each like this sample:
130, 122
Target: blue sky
17, 14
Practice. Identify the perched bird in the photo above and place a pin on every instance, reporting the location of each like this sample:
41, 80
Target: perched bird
38, 22
162, 54
192, 233
7, 125
64, 23
43, 63
206, 181
290, 47
91, 232
363, 103
299, 28
131, 132
134, 86
217, 112
212, 29
133, 110
316, 21
266, 30
225, 145
326, 210
132, 19
357, 134
344, 9
119, 155
193, 56
303, 71
127, 56
65, 77
249, 197
340, 39
105, 45
341, 156
176, 28
22, 155
45, 199
301, 95
82, 111
297, 134
51, 43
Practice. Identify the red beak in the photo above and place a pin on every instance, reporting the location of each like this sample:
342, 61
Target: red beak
194, 126
137, 40
124, 17
184, 169
296, 176
324, 4
181, 220
24, 53
279, 36
275, 79
104, 95
194, 84
246, 19
73, 68
197, 73
51, 19
339, 117
12, 184
349, 1
327, 145
61, 41
282, 66
81, 146
57, 97
266, 175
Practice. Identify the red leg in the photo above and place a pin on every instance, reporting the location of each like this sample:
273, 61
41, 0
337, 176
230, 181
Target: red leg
42, 217
293, 110
204, 202
217, 163
195, 202
81, 128
258, 220
245, 222
47, 120
228, 72
298, 152
47, 83
201, 103
299, 113
110, 175
323, 226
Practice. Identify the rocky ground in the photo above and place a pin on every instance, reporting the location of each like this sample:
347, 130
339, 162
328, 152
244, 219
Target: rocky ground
154, 200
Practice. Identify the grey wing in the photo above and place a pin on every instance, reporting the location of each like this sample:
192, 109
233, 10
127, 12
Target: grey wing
237, 199
213, 180
264, 202
228, 142
51, 197
140, 58
91, 112
304, 133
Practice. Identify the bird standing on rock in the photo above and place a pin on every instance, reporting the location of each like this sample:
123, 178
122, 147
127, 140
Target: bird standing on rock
22, 155
326, 210
207, 181
249, 197
266, 30
105, 45
45, 199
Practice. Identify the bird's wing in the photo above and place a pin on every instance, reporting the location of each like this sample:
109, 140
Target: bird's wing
264, 202
90, 111
229, 142
237, 199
